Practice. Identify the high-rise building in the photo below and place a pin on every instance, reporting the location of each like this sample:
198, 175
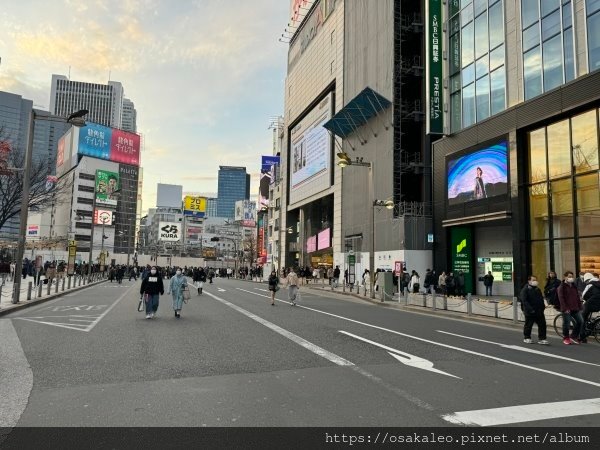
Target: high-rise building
211, 207
103, 101
234, 185
516, 178
129, 120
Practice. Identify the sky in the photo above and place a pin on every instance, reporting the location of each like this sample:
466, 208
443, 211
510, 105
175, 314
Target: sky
206, 76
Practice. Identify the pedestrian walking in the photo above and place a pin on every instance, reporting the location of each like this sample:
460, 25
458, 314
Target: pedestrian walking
442, 283
415, 283
292, 283
152, 287
273, 285
488, 281
336, 276
429, 282
532, 304
570, 307
177, 285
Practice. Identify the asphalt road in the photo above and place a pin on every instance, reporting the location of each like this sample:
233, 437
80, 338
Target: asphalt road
90, 359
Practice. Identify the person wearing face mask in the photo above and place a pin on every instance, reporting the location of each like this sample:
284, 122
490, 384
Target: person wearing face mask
570, 307
152, 287
550, 289
176, 286
532, 304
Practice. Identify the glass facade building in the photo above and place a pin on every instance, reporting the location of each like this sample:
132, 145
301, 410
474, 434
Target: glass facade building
234, 185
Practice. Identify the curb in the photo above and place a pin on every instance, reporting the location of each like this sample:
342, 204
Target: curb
22, 305
420, 310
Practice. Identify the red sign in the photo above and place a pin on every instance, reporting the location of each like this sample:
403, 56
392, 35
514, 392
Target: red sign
60, 156
399, 267
125, 147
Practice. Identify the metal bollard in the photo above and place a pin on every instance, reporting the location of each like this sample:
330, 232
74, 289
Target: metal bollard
425, 300
69, 285
515, 305
40, 289
63, 284
496, 310
56, 288
469, 305
49, 286
434, 300
29, 288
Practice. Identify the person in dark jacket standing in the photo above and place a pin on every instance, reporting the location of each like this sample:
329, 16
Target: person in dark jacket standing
336, 276
570, 307
152, 286
273, 285
532, 303
550, 293
488, 282
429, 283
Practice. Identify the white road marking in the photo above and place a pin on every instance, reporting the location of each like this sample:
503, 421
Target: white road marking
522, 349
287, 334
458, 349
221, 290
405, 358
109, 308
525, 413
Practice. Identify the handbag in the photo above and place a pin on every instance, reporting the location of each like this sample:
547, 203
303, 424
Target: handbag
186, 294
143, 300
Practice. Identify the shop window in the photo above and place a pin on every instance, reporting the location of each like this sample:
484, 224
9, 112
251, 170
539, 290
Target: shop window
559, 156
564, 256
537, 156
538, 211
589, 255
562, 208
540, 260
584, 132
588, 204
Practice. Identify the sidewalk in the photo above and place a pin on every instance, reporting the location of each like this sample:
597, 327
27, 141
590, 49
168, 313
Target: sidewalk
47, 292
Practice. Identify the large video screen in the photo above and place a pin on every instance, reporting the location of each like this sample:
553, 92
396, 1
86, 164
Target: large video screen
310, 153
478, 175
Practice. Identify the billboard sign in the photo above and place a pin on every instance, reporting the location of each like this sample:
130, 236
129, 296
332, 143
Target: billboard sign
434, 67
269, 161
245, 212
324, 239
311, 244
169, 231
72, 254
478, 175
103, 217
194, 206
102, 142
33, 230
169, 195
311, 153
461, 247
107, 187
60, 155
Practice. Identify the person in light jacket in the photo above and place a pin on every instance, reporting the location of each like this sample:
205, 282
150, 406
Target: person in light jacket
292, 283
176, 286
415, 282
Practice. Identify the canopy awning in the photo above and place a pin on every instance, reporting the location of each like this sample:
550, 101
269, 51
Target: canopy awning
357, 112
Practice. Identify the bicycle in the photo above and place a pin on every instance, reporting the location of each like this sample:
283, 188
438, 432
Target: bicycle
591, 327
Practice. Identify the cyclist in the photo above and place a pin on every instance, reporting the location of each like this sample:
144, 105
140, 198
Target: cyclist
570, 307
591, 295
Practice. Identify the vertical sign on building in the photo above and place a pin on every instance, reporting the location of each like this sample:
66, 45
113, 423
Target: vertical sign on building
461, 246
434, 72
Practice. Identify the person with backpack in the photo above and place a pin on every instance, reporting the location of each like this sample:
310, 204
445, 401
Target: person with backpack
532, 304
570, 307
550, 289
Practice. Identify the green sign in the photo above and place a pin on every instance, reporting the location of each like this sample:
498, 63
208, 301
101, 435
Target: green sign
497, 267
435, 118
507, 267
107, 187
506, 276
461, 245
351, 259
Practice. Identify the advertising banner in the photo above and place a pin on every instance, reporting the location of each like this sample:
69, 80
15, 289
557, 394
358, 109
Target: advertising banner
324, 239
269, 161
311, 244
103, 217
60, 155
478, 175
194, 206
169, 231
33, 230
245, 212
107, 186
461, 246
434, 98
72, 254
110, 144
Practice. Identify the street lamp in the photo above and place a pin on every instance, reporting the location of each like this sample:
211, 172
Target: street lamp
76, 119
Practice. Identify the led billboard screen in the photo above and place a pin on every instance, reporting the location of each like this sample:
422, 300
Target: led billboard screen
110, 144
107, 187
311, 244
324, 239
478, 175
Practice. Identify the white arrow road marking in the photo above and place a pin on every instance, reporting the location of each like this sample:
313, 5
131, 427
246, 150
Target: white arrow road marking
521, 349
525, 413
221, 290
405, 358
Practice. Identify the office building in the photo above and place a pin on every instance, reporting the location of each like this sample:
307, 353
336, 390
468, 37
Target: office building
516, 180
211, 207
129, 121
103, 101
234, 185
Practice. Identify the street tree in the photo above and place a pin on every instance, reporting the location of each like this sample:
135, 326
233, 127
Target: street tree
45, 191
